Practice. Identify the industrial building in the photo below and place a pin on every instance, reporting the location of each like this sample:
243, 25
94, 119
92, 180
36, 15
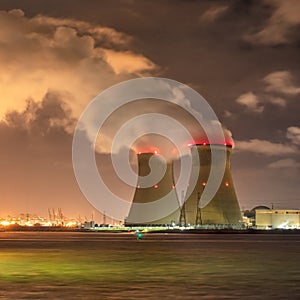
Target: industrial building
277, 219
222, 209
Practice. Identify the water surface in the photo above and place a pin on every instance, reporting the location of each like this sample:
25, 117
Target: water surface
44, 265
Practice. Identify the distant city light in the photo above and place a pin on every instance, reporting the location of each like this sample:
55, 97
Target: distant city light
5, 223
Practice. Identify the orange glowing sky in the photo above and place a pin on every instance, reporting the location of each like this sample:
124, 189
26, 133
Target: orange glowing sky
241, 56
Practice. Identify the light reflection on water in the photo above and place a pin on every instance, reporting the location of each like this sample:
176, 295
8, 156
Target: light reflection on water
117, 266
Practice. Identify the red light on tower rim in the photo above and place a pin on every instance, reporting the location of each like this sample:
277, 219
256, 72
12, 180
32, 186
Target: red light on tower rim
155, 186
207, 143
203, 184
227, 184
156, 151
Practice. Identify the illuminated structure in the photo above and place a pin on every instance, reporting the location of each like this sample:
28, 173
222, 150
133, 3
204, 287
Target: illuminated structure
222, 209
277, 218
164, 187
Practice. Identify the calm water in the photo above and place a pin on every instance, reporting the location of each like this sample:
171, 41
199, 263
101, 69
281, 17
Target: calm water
161, 266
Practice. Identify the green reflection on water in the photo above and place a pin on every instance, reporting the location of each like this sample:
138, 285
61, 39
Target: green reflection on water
166, 266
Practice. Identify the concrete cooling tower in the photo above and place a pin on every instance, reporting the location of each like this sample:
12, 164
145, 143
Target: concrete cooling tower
222, 209
162, 189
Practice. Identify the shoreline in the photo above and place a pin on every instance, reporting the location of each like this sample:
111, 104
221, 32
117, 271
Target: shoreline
149, 230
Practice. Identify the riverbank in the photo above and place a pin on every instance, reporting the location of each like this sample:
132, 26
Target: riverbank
150, 230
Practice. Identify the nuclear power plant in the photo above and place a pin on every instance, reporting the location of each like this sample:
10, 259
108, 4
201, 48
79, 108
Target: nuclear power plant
222, 209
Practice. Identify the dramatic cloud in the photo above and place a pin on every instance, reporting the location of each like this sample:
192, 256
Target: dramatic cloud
278, 28
265, 147
40, 118
42, 54
293, 133
251, 102
281, 82
284, 163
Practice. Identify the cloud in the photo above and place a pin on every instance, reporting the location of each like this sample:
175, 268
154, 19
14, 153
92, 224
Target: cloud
128, 62
277, 101
105, 35
42, 54
293, 133
276, 82
284, 163
40, 118
278, 28
229, 114
76, 59
213, 13
257, 104
281, 82
265, 147
251, 102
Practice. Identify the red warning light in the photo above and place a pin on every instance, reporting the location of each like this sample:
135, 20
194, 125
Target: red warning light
173, 186
155, 152
227, 184
156, 186
204, 143
203, 183
228, 144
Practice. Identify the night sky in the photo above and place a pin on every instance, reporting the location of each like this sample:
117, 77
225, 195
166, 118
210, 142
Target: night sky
55, 56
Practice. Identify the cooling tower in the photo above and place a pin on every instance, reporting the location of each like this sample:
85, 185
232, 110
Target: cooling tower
157, 198
223, 207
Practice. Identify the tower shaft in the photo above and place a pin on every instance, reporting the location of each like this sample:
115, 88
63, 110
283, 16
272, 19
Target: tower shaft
151, 201
223, 207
